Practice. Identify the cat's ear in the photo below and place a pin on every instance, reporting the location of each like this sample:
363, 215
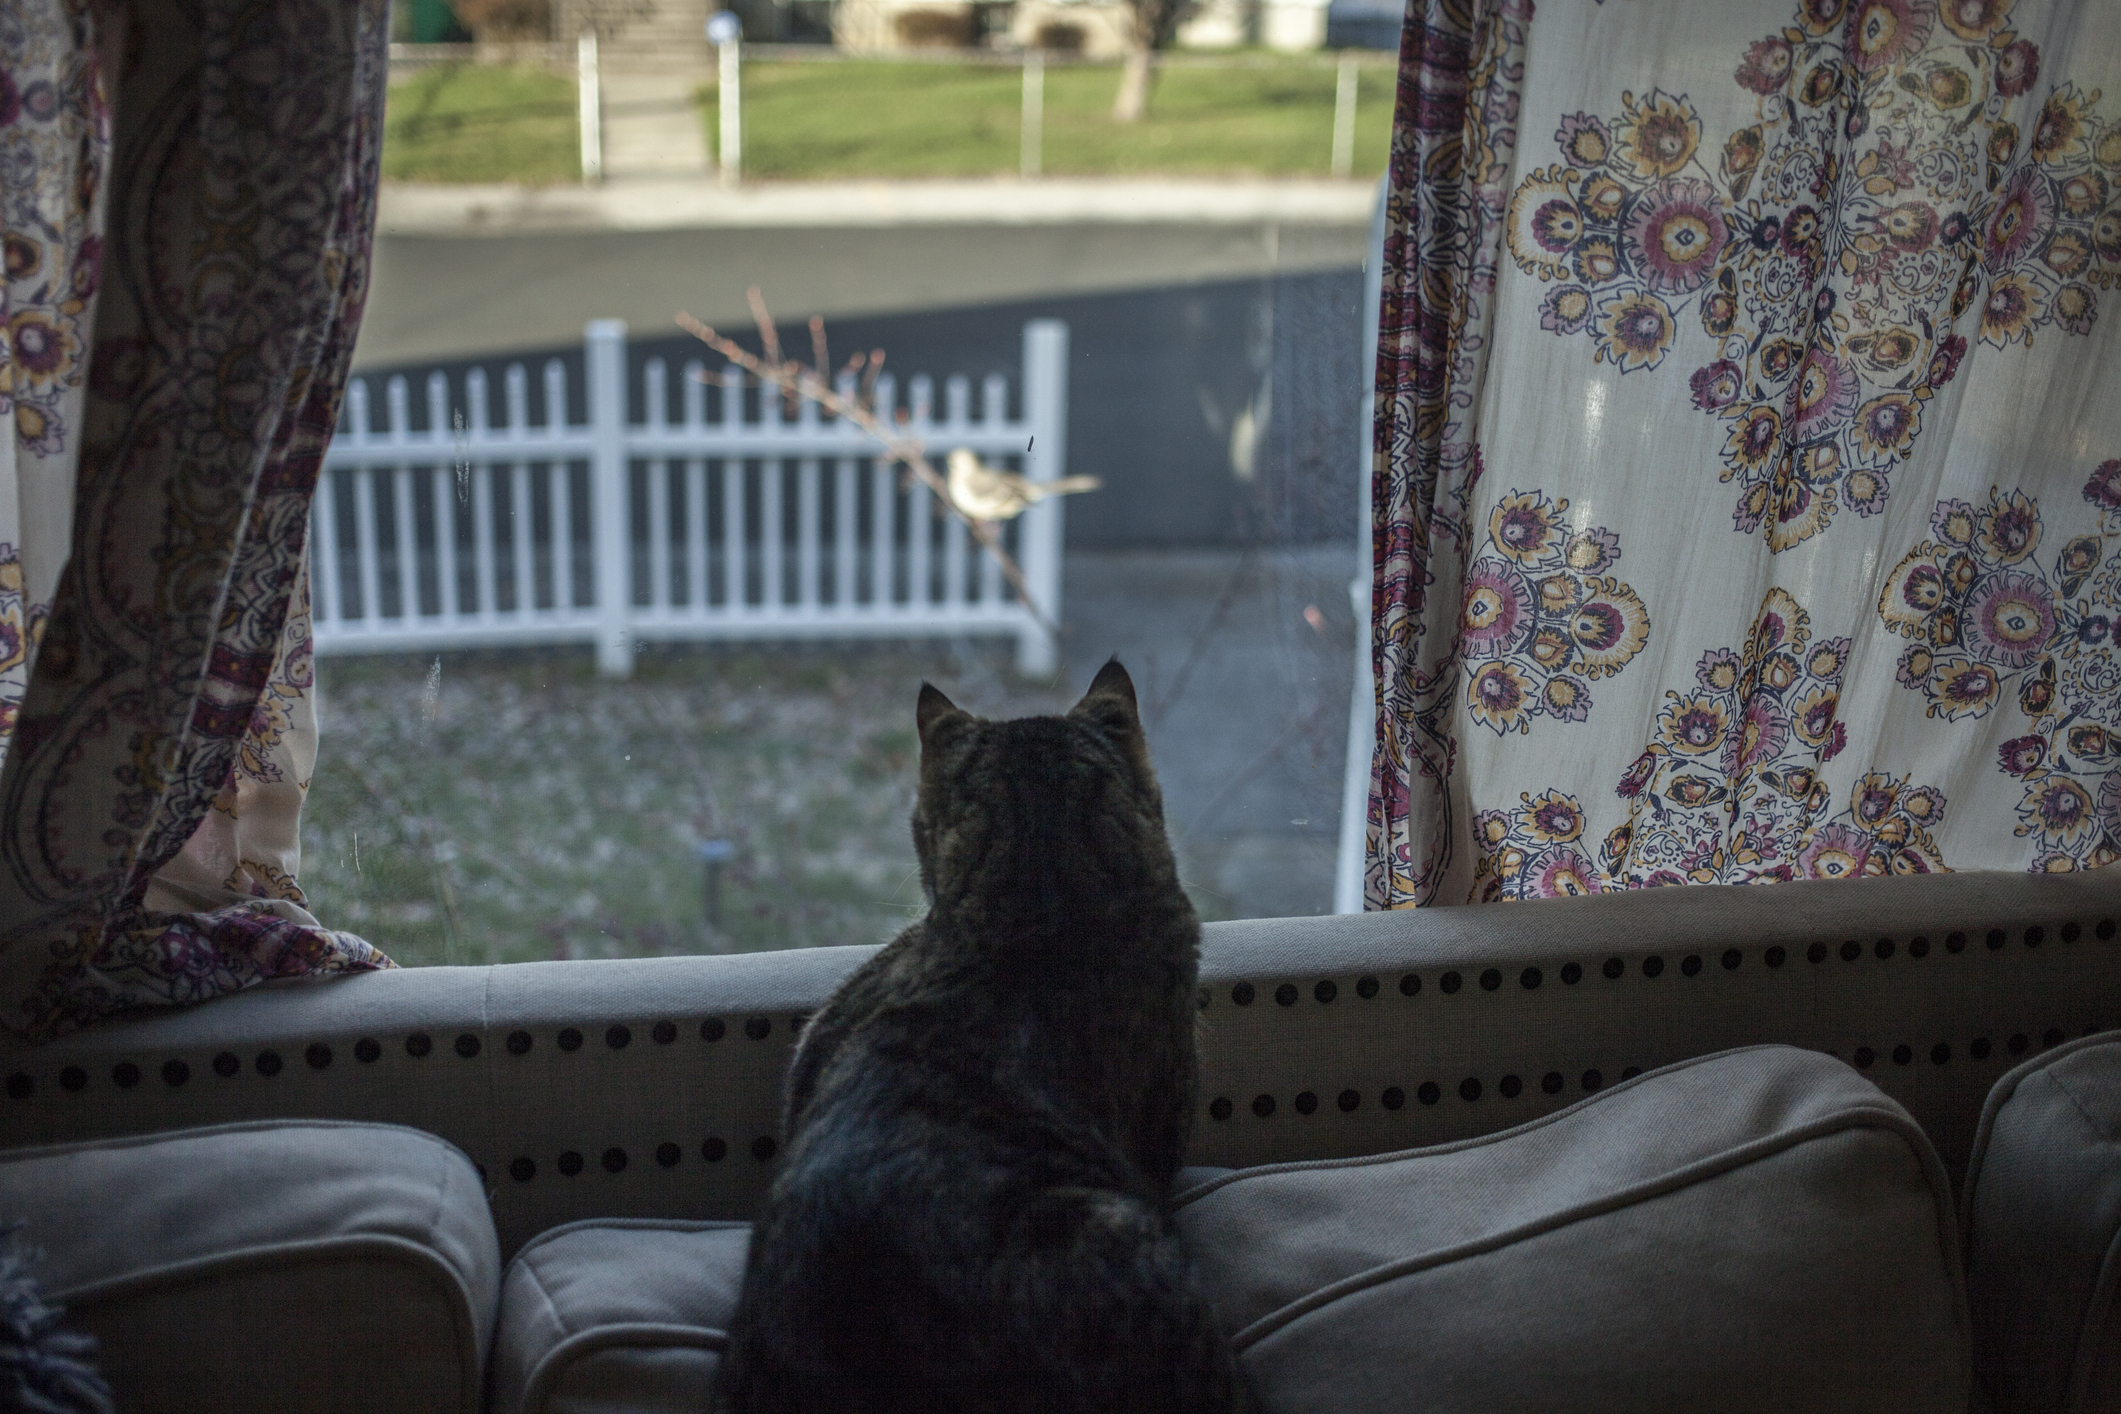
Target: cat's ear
932, 711
1110, 701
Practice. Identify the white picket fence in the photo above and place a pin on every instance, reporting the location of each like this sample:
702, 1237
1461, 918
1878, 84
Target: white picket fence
729, 520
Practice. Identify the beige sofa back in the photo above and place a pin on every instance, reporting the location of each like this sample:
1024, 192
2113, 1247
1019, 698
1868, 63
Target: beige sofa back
649, 1088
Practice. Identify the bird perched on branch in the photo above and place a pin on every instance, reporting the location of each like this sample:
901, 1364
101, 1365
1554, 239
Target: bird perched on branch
990, 493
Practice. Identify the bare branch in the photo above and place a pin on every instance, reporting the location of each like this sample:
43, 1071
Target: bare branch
796, 380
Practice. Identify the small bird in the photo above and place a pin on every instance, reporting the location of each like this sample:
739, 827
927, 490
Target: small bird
989, 493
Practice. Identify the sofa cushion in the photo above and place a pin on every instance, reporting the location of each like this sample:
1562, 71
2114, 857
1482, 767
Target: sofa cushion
617, 1316
1756, 1230
270, 1266
2043, 1218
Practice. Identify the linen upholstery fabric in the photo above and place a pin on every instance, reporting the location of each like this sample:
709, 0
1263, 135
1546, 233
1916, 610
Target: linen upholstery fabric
1758, 1230
2043, 1229
445, 1054
1747, 473
617, 1317
357, 1272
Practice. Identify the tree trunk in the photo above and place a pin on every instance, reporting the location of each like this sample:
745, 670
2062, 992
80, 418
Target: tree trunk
1134, 79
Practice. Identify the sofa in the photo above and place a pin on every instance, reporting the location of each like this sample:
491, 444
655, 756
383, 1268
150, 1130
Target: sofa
1814, 1146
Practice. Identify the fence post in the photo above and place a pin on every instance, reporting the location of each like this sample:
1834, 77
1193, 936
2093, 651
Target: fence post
1046, 411
604, 343
1032, 136
589, 102
1344, 118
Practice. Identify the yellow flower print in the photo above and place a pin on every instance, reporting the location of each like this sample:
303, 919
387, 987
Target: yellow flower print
1597, 262
1886, 426
1658, 134
1525, 525
1603, 197
2066, 254
1554, 818
2008, 313
2059, 135
1974, 19
1544, 223
1500, 697
1960, 687
2058, 810
1635, 329
1813, 720
1754, 439
1551, 649
1610, 626
1797, 511
43, 351
1556, 593
1693, 726
2009, 527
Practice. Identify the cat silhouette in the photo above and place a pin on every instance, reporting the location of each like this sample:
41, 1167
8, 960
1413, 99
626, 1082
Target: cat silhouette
982, 1123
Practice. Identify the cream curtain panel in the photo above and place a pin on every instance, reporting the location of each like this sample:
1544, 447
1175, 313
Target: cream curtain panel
1748, 473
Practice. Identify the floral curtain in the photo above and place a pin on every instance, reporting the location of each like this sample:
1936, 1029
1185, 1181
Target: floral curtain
152, 789
1748, 445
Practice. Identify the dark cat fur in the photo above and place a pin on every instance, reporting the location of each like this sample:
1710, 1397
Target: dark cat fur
984, 1120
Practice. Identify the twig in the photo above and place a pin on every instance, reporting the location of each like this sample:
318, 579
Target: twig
797, 380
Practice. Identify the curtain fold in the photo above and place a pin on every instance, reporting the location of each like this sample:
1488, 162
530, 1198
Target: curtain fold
150, 799
1748, 449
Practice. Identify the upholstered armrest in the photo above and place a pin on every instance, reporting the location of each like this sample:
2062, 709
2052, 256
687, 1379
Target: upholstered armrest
648, 1088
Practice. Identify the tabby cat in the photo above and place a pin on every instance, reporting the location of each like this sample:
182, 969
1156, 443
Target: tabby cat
984, 1120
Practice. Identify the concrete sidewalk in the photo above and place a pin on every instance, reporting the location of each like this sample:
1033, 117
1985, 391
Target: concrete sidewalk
668, 203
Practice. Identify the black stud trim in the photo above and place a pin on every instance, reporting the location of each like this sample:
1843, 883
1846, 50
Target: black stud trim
520, 1042
1592, 1079
1775, 957
1630, 1072
758, 1028
1530, 978
1490, 979
1918, 947
2035, 936
318, 1055
618, 1036
714, 1150
614, 1160
1980, 1048
1325, 991
1940, 1053
1652, 966
125, 1075
2017, 1043
1571, 973
21, 1085
1613, 969
1511, 1087
1392, 1098
1690, 965
1429, 1092
418, 1044
1469, 1089
1220, 1107
1450, 982
73, 1079
268, 1063
1306, 1103
1865, 1057
1955, 942
1851, 950
1366, 987
1285, 994
1903, 1053
1732, 958
2105, 930
667, 1154
569, 1039
2051, 1037
1410, 985
1263, 1105
713, 1029
368, 1050
228, 1064
523, 1170
1815, 954
1884, 949
664, 1032
762, 1148
570, 1164
468, 1046
1349, 1101
1995, 940
1243, 994
2071, 931
1552, 1082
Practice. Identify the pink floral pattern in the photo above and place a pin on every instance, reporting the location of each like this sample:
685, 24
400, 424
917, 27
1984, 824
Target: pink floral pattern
233, 276
1833, 249
1540, 619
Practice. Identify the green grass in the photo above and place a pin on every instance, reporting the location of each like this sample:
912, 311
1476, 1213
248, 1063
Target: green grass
853, 118
473, 123
889, 118
520, 808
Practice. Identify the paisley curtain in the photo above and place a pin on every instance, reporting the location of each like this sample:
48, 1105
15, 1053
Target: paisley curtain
1747, 475
152, 786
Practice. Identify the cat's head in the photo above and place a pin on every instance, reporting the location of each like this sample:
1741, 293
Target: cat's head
1078, 784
